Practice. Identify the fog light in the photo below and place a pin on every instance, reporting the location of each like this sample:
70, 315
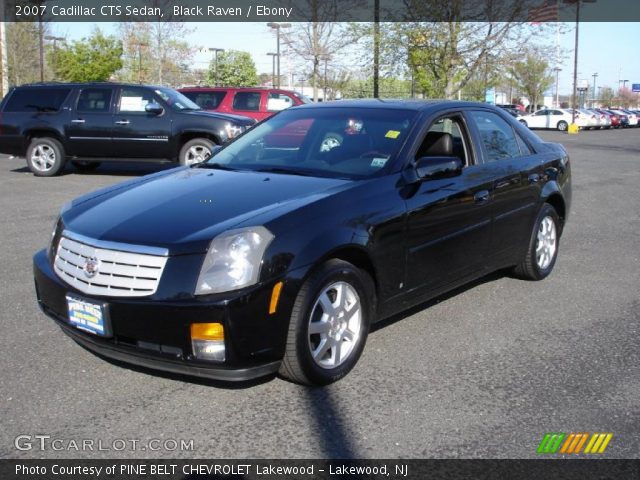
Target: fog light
207, 341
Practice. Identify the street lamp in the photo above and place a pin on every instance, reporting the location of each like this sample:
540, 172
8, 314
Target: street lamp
575, 59
215, 62
273, 68
595, 75
140, 45
277, 27
557, 70
54, 39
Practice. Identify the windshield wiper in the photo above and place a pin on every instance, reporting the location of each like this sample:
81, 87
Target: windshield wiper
285, 171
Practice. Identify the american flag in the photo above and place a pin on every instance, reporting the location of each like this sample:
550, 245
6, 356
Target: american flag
547, 11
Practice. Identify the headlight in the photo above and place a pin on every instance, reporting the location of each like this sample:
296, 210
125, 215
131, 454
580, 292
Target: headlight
232, 131
233, 260
54, 238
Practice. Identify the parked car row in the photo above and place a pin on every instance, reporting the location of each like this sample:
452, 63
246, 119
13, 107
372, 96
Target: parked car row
585, 118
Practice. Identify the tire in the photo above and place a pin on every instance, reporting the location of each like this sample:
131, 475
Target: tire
546, 229
305, 360
195, 151
524, 122
45, 157
563, 126
85, 166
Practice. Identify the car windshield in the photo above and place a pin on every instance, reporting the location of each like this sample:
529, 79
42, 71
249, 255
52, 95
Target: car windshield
303, 98
330, 142
176, 100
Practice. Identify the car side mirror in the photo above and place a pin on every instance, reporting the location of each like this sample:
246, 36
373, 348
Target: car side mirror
153, 108
432, 168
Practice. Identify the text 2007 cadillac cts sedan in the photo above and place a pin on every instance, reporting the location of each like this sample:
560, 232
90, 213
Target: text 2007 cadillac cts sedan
280, 251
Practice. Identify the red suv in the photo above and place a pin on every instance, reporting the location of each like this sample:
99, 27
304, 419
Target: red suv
258, 103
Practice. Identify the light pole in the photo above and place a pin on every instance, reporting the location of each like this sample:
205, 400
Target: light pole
595, 75
54, 39
273, 68
575, 60
140, 45
557, 70
215, 63
277, 27
326, 58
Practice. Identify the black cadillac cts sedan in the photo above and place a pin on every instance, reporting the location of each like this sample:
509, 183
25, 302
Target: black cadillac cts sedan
279, 252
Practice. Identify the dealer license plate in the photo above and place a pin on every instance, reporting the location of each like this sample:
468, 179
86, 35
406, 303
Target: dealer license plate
88, 316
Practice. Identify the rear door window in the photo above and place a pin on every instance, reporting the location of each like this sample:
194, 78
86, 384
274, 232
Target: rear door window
248, 101
37, 100
206, 100
497, 135
94, 100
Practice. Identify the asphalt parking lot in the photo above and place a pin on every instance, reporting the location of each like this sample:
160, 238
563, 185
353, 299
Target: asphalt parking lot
483, 373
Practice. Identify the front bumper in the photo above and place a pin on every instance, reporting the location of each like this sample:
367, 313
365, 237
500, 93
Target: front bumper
154, 333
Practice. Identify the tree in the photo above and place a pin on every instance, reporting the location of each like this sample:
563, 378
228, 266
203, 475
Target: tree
235, 69
607, 96
320, 40
88, 60
156, 52
532, 75
446, 53
23, 51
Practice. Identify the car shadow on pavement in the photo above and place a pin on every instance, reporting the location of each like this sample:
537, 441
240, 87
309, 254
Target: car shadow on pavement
115, 169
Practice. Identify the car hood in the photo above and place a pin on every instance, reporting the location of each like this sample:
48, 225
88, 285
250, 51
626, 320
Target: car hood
185, 208
237, 119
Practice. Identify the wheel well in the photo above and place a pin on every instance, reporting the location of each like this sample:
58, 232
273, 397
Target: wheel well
358, 258
30, 135
557, 202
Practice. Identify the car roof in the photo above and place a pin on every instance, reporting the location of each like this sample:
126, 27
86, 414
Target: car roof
86, 84
396, 104
226, 89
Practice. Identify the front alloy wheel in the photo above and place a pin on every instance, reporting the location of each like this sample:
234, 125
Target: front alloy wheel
334, 325
195, 151
329, 324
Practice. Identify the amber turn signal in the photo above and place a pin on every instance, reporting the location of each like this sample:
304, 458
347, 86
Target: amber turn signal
207, 331
275, 296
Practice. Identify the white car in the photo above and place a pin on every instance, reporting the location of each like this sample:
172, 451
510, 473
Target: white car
593, 120
554, 118
605, 120
633, 117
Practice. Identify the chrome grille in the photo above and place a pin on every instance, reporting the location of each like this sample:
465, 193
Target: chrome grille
119, 273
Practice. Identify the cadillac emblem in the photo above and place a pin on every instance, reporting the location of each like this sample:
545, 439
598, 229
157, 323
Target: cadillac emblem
91, 266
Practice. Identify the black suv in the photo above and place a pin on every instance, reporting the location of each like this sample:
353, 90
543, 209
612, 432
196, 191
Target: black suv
89, 122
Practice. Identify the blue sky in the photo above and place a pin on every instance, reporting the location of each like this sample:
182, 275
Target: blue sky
610, 49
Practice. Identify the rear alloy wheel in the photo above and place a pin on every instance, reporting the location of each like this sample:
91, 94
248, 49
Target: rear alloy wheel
85, 166
543, 246
329, 324
562, 126
195, 151
45, 157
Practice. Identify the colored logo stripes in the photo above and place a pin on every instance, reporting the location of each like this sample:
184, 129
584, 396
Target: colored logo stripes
573, 443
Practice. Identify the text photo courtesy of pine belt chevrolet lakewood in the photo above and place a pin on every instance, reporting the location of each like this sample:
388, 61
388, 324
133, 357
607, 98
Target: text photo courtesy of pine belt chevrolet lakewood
279, 252
89, 123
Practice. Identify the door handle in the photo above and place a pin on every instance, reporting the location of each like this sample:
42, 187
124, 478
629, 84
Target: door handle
123, 122
534, 178
78, 120
481, 197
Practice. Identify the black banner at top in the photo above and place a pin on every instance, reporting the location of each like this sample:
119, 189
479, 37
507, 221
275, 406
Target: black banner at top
532, 11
